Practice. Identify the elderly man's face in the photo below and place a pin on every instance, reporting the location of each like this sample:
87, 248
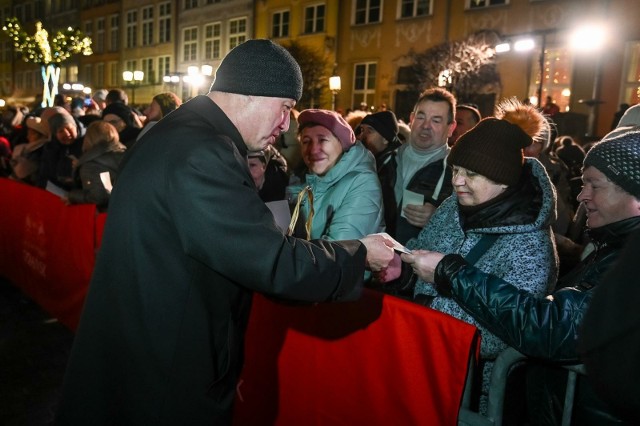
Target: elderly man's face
605, 201
264, 118
66, 134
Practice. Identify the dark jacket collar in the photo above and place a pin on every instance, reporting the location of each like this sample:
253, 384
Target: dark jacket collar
614, 234
210, 112
518, 205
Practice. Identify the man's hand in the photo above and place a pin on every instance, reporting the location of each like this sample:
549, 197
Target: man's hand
419, 215
423, 262
379, 251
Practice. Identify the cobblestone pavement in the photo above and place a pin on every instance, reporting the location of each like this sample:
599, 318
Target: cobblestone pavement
34, 349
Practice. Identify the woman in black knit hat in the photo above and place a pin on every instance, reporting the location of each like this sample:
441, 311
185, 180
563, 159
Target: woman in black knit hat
499, 216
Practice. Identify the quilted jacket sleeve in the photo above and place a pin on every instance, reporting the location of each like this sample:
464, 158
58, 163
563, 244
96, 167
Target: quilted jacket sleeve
545, 328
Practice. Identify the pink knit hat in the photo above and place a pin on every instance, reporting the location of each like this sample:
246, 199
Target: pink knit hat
332, 121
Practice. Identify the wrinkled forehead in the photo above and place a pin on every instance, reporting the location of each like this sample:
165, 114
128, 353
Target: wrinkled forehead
432, 108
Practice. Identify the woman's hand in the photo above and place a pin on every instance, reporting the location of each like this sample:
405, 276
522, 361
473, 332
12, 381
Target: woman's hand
391, 272
423, 262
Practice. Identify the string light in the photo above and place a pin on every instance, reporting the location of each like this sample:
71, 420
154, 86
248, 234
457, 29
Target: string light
40, 49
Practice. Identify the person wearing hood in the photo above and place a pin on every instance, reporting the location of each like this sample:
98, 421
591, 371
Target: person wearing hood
102, 153
341, 196
498, 218
65, 147
26, 157
121, 116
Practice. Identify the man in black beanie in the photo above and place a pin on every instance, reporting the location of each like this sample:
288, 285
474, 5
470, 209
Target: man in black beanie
186, 242
379, 133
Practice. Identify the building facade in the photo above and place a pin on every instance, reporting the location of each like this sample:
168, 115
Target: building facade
370, 44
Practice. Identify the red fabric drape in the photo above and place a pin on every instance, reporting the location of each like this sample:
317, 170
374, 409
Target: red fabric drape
47, 248
381, 360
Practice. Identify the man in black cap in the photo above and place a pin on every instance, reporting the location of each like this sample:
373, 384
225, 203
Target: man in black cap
379, 133
186, 242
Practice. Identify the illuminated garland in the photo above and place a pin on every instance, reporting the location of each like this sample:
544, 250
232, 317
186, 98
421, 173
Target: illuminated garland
39, 50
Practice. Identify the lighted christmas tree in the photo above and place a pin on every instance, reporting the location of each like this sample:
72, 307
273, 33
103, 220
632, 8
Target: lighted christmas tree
47, 53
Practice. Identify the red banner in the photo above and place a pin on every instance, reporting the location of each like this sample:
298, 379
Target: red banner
47, 249
378, 361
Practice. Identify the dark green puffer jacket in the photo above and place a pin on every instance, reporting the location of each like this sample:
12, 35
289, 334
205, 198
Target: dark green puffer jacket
547, 328
543, 328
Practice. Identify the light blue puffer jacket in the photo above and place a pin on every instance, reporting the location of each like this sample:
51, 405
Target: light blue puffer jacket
347, 201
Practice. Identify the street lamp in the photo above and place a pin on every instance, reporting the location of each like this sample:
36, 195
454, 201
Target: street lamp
334, 85
133, 78
195, 77
590, 38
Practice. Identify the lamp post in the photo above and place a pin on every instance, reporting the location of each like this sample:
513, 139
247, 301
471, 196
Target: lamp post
133, 78
195, 77
590, 38
334, 85
174, 80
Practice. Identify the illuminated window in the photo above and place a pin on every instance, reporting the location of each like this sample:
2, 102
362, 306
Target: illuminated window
631, 77
364, 82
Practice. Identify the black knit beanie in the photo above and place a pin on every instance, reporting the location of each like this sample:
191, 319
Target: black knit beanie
260, 68
493, 148
384, 122
617, 156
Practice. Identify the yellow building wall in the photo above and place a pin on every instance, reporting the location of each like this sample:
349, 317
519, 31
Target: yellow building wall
388, 43
324, 42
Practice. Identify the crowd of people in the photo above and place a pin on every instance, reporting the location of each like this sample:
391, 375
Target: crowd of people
508, 226
74, 148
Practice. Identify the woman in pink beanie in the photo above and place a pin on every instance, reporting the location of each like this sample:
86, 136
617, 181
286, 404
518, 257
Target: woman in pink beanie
341, 196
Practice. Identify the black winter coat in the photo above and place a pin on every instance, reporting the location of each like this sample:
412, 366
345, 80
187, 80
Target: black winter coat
186, 242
